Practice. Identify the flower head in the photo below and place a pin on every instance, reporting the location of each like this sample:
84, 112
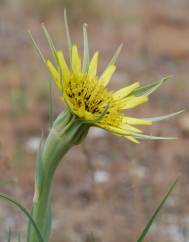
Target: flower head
87, 96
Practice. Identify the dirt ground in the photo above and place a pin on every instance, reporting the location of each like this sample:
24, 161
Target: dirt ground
107, 186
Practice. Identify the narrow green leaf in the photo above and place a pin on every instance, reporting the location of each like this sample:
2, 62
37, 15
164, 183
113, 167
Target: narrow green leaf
50, 106
116, 55
148, 89
164, 117
37, 48
25, 211
86, 56
154, 215
68, 37
150, 137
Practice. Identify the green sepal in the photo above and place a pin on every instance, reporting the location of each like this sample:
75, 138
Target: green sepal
86, 56
148, 89
116, 55
164, 117
68, 37
37, 48
50, 42
150, 137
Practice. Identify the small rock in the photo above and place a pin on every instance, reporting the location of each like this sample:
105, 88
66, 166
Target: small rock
101, 176
32, 144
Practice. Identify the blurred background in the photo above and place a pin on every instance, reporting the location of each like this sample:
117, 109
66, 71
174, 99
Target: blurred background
107, 186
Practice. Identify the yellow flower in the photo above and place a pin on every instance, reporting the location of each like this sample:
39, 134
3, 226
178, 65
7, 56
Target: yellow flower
87, 96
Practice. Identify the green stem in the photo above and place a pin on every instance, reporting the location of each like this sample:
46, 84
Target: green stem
66, 132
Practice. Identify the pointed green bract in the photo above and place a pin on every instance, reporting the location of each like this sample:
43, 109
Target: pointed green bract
86, 56
37, 47
150, 137
50, 42
150, 222
54, 51
116, 55
148, 89
68, 37
164, 117
25, 211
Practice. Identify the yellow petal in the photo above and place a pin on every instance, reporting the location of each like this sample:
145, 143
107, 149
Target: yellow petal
63, 65
132, 139
55, 74
76, 61
107, 74
136, 121
115, 130
119, 132
128, 128
93, 65
133, 102
124, 92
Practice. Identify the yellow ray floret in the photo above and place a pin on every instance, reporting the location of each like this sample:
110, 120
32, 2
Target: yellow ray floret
107, 74
55, 74
92, 71
76, 61
62, 64
124, 92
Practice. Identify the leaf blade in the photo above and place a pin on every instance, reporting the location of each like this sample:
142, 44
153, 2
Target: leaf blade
154, 215
24, 210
